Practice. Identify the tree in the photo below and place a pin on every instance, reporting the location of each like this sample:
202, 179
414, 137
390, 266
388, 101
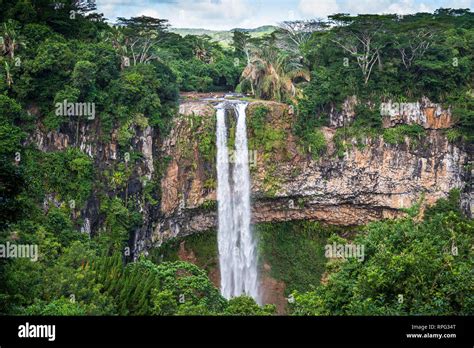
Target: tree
9, 38
202, 48
11, 174
240, 42
148, 89
245, 305
274, 74
413, 36
293, 35
164, 302
409, 268
119, 42
142, 36
83, 76
170, 288
8, 74
59, 307
363, 37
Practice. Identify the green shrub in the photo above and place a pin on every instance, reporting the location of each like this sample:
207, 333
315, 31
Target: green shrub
453, 135
396, 135
244, 305
60, 307
295, 252
316, 143
409, 268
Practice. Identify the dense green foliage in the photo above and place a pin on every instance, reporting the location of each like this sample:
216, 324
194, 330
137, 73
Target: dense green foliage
408, 57
203, 247
244, 305
396, 135
50, 56
295, 252
409, 268
132, 73
76, 280
270, 72
264, 136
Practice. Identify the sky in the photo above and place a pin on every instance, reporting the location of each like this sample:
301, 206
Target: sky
229, 14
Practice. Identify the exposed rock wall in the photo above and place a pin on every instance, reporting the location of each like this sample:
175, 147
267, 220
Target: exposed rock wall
369, 183
424, 113
104, 151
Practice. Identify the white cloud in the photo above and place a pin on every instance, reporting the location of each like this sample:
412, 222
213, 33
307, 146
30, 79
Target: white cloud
399, 6
461, 4
366, 6
149, 12
409, 6
123, 8
387, 6
321, 8
219, 14
228, 14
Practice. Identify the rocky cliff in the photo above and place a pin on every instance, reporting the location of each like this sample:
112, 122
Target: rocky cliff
107, 155
369, 180
372, 179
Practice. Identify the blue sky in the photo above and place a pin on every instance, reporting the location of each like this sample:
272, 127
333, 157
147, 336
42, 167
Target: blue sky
228, 14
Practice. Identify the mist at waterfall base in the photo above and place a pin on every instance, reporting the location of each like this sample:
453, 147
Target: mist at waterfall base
237, 245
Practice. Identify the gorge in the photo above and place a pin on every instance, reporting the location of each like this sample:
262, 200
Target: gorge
371, 181
186, 174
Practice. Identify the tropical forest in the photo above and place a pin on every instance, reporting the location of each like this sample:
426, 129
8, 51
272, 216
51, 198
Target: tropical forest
320, 166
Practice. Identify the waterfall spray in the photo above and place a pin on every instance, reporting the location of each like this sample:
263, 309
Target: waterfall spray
237, 245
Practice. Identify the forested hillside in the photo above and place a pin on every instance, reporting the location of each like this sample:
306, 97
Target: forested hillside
130, 76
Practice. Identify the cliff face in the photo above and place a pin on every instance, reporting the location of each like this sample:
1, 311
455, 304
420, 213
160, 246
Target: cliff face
369, 180
107, 155
373, 180
425, 113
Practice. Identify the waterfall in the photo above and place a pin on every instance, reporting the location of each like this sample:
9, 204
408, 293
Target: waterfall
237, 246
224, 199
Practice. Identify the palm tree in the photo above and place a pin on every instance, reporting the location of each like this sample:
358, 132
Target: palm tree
202, 48
273, 74
8, 74
9, 39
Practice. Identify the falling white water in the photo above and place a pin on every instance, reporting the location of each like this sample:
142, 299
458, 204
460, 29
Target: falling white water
237, 246
224, 200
